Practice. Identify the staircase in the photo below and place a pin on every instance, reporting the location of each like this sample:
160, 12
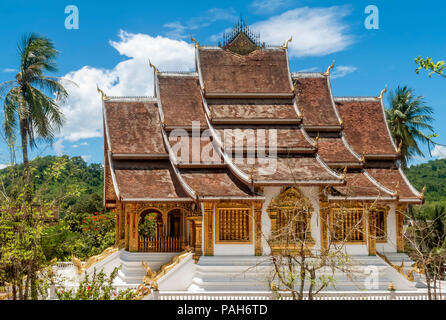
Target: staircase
249, 273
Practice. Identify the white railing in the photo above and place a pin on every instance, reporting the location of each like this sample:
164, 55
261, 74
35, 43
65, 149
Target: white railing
267, 295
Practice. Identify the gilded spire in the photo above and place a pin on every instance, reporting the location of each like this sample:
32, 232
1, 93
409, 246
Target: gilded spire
103, 95
285, 45
327, 73
197, 45
154, 68
422, 192
400, 146
344, 173
382, 93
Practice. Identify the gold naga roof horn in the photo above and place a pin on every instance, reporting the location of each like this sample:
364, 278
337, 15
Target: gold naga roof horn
327, 73
197, 45
382, 93
103, 95
285, 45
155, 69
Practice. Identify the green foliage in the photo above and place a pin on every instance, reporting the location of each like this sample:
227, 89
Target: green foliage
432, 175
428, 64
408, 117
147, 227
99, 287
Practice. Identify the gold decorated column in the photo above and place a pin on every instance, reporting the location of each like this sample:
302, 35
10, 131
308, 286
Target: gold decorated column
372, 233
324, 216
133, 241
258, 228
208, 228
127, 226
399, 215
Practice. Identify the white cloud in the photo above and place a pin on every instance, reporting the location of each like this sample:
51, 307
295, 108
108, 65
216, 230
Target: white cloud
79, 145
3, 166
181, 30
439, 152
58, 146
9, 70
315, 31
342, 71
86, 158
268, 6
133, 77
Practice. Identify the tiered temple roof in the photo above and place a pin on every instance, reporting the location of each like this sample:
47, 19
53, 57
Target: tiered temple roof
194, 140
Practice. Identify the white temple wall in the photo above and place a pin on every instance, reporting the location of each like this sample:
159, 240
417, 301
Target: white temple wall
390, 245
312, 193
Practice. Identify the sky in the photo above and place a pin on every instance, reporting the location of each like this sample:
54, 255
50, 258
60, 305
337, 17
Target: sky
114, 41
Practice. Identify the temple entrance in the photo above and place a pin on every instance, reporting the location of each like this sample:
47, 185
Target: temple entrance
158, 233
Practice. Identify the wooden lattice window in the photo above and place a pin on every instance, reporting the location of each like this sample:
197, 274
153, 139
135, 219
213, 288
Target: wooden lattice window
233, 225
292, 222
347, 225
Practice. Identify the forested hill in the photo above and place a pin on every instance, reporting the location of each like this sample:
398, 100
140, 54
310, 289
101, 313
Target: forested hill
433, 175
76, 186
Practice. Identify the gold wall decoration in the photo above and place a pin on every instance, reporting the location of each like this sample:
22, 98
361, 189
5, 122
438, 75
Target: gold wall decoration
399, 215
291, 211
348, 225
258, 228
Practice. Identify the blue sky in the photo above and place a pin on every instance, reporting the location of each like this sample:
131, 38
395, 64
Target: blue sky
114, 41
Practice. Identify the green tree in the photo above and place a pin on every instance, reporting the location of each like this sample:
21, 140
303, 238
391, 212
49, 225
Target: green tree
407, 117
27, 102
428, 64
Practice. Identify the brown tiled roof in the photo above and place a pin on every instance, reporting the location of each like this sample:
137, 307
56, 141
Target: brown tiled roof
147, 180
334, 151
218, 183
288, 170
393, 179
134, 127
360, 186
314, 100
261, 71
365, 127
286, 138
181, 100
188, 150
109, 190
236, 111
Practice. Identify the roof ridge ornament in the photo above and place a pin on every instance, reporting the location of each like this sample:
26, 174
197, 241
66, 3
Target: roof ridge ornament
316, 141
103, 95
382, 93
400, 146
155, 69
344, 173
285, 45
327, 73
197, 45
397, 187
422, 192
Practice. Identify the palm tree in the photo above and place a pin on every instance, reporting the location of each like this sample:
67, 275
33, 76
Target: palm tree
407, 117
28, 103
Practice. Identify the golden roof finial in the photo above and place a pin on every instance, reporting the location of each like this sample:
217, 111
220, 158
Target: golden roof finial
363, 157
316, 141
285, 45
400, 146
397, 187
103, 95
327, 73
344, 173
391, 287
422, 192
382, 93
155, 69
251, 173
197, 45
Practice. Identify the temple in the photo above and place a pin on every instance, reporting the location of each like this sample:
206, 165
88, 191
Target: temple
221, 155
